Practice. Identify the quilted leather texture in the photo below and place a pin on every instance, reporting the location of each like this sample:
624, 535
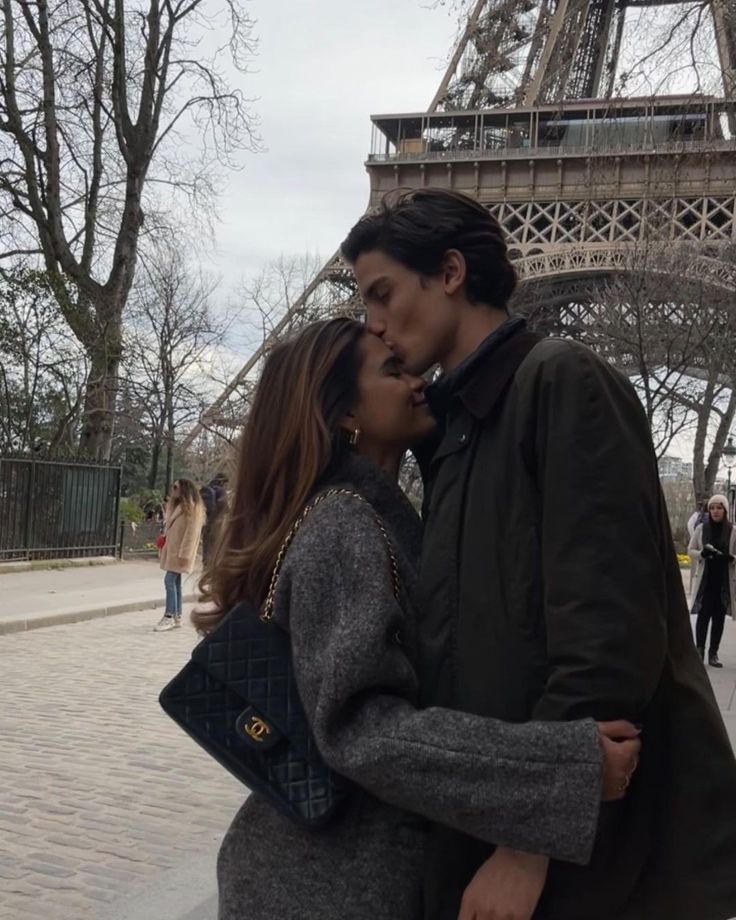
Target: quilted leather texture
246, 663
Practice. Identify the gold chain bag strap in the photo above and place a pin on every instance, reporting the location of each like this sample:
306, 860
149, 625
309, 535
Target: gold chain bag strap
238, 699
268, 606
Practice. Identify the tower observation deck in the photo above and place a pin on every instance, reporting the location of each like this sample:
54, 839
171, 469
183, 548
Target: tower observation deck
577, 184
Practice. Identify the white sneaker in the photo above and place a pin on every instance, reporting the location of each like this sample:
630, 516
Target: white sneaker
177, 621
165, 623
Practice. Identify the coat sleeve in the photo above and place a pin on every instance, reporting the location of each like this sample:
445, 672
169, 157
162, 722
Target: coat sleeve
535, 787
691, 521
602, 547
695, 549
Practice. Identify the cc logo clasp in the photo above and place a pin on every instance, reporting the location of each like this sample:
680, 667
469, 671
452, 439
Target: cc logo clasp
257, 729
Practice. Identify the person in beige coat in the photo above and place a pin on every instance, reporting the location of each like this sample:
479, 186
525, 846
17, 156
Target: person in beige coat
184, 521
713, 553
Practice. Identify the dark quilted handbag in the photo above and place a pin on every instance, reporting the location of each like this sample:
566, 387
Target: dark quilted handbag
237, 698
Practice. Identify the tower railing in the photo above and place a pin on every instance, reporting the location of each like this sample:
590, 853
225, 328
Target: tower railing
503, 153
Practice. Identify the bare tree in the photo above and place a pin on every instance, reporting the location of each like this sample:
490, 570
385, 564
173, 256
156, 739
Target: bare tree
268, 297
172, 342
710, 394
661, 339
673, 334
669, 50
714, 410
678, 494
42, 367
103, 103
267, 302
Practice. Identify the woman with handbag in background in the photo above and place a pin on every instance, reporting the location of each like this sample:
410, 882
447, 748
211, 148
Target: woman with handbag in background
178, 546
321, 536
712, 550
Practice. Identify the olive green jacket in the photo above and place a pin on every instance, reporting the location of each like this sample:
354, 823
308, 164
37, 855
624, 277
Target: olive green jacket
550, 589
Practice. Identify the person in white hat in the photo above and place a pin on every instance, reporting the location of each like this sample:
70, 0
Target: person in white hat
713, 552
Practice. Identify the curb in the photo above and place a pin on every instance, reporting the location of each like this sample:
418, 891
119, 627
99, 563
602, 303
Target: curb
41, 565
81, 616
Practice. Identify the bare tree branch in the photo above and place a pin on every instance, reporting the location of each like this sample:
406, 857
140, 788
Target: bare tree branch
95, 97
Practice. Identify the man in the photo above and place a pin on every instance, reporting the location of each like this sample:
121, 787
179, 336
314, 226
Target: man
214, 497
698, 517
550, 584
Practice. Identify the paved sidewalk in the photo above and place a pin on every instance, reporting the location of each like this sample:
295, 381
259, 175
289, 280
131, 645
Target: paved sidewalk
108, 811
49, 597
724, 680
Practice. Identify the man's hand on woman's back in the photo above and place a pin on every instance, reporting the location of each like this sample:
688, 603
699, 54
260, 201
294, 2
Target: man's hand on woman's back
621, 745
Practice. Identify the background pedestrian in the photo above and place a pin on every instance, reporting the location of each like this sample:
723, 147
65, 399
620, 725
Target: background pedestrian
713, 549
185, 516
698, 517
214, 498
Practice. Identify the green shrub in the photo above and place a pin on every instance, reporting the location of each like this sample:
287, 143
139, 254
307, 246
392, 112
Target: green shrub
130, 511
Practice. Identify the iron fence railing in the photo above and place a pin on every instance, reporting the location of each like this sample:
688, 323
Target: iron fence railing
139, 540
57, 509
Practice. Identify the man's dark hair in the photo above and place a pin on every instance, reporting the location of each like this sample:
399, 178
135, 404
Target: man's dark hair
417, 227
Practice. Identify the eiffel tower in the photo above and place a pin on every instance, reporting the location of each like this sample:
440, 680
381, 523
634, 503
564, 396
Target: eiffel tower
532, 119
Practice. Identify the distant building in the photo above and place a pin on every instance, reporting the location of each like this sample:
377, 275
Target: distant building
673, 469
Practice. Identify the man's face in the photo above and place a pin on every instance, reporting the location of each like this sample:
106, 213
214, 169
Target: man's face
414, 316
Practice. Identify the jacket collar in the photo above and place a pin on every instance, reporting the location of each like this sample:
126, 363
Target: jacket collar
441, 393
491, 376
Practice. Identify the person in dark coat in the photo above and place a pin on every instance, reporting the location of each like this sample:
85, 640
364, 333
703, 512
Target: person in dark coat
713, 553
549, 585
214, 498
335, 413
698, 517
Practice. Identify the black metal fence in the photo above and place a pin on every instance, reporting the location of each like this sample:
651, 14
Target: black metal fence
139, 540
57, 509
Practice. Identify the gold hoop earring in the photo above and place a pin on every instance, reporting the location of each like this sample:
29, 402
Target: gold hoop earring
354, 437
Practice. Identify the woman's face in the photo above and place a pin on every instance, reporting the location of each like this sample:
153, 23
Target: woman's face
717, 513
391, 411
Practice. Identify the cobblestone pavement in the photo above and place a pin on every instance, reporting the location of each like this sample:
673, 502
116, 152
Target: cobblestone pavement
100, 790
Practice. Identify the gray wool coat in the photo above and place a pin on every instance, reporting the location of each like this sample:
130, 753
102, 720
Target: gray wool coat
534, 787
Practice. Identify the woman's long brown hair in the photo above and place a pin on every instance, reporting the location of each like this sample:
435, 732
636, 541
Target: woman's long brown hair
291, 439
189, 498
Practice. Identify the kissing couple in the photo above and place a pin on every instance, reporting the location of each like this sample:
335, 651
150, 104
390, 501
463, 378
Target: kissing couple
509, 679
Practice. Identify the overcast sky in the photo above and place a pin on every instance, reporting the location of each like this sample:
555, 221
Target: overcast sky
324, 66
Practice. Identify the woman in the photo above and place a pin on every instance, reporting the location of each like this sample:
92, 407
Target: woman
333, 408
184, 520
713, 550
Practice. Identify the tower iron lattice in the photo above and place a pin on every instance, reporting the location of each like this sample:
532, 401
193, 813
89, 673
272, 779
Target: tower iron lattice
529, 119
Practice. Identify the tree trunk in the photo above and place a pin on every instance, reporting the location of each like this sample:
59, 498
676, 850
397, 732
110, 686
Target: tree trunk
170, 440
100, 402
706, 471
155, 459
719, 440
169, 463
95, 440
701, 433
